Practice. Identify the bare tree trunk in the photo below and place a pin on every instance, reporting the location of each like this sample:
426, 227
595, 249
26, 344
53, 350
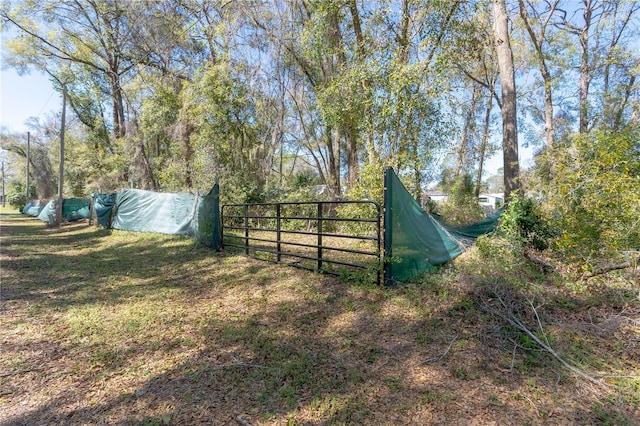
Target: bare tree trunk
349, 130
485, 140
549, 127
357, 29
333, 148
118, 106
585, 77
464, 141
509, 108
187, 153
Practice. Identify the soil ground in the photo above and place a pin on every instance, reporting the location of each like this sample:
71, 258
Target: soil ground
110, 327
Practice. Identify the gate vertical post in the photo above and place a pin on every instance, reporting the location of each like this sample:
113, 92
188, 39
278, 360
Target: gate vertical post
387, 225
379, 271
246, 229
278, 227
319, 236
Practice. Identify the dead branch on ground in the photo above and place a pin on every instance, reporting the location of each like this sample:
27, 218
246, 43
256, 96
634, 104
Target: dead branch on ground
428, 360
507, 315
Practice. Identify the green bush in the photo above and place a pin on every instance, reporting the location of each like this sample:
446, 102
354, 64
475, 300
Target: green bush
523, 222
16, 196
497, 259
462, 208
589, 185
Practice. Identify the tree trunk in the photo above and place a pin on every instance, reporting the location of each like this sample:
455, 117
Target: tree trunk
186, 131
333, 148
585, 77
549, 128
464, 141
485, 141
119, 130
509, 109
357, 28
348, 128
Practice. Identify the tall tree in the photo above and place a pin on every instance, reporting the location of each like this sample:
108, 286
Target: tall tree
538, 41
509, 107
91, 35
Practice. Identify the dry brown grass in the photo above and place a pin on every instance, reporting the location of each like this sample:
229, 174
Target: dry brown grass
102, 327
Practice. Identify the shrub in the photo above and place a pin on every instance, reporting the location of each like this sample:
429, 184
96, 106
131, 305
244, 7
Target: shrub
523, 222
16, 196
589, 185
462, 208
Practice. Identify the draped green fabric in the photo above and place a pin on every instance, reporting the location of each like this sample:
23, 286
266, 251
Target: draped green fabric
194, 215
103, 206
72, 209
33, 208
416, 241
147, 211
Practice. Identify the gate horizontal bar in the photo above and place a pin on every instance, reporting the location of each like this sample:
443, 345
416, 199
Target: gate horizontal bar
301, 256
252, 242
344, 250
335, 219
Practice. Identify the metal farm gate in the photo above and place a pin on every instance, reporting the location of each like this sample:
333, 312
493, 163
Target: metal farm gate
334, 237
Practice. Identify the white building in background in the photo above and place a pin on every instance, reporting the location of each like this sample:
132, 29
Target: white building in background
437, 196
489, 202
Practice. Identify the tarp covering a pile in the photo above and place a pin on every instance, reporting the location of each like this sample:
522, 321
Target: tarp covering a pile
416, 241
102, 206
72, 209
193, 215
146, 211
33, 208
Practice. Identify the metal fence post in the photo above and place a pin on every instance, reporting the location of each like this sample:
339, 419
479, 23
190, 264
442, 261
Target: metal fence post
320, 236
246, 229
387, 226
278, 233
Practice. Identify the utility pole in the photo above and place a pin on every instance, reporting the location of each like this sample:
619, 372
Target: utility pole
26, 200
4, 203
61, 157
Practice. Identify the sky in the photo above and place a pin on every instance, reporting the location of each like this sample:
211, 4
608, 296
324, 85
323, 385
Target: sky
31, 95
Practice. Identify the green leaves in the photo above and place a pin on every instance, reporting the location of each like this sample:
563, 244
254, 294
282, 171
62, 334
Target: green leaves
591, 188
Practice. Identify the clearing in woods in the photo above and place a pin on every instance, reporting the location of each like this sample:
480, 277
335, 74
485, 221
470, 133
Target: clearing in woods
112, 327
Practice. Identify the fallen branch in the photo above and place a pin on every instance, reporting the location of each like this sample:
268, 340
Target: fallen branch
428, 360
544, 264
14, 373
609, 268
518, 324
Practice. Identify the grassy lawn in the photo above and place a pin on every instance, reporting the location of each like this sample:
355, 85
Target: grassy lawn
111, 327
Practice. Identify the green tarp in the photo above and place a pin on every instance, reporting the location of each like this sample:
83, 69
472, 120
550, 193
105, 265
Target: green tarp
33, 208
146, 211
416, 241
72, 209
194, 215
103, 206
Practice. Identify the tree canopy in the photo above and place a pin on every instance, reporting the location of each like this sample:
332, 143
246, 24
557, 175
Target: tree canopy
175, 94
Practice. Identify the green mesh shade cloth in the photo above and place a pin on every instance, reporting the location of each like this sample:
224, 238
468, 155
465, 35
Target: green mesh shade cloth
103, 206
414, 240
184, 213
72, 209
